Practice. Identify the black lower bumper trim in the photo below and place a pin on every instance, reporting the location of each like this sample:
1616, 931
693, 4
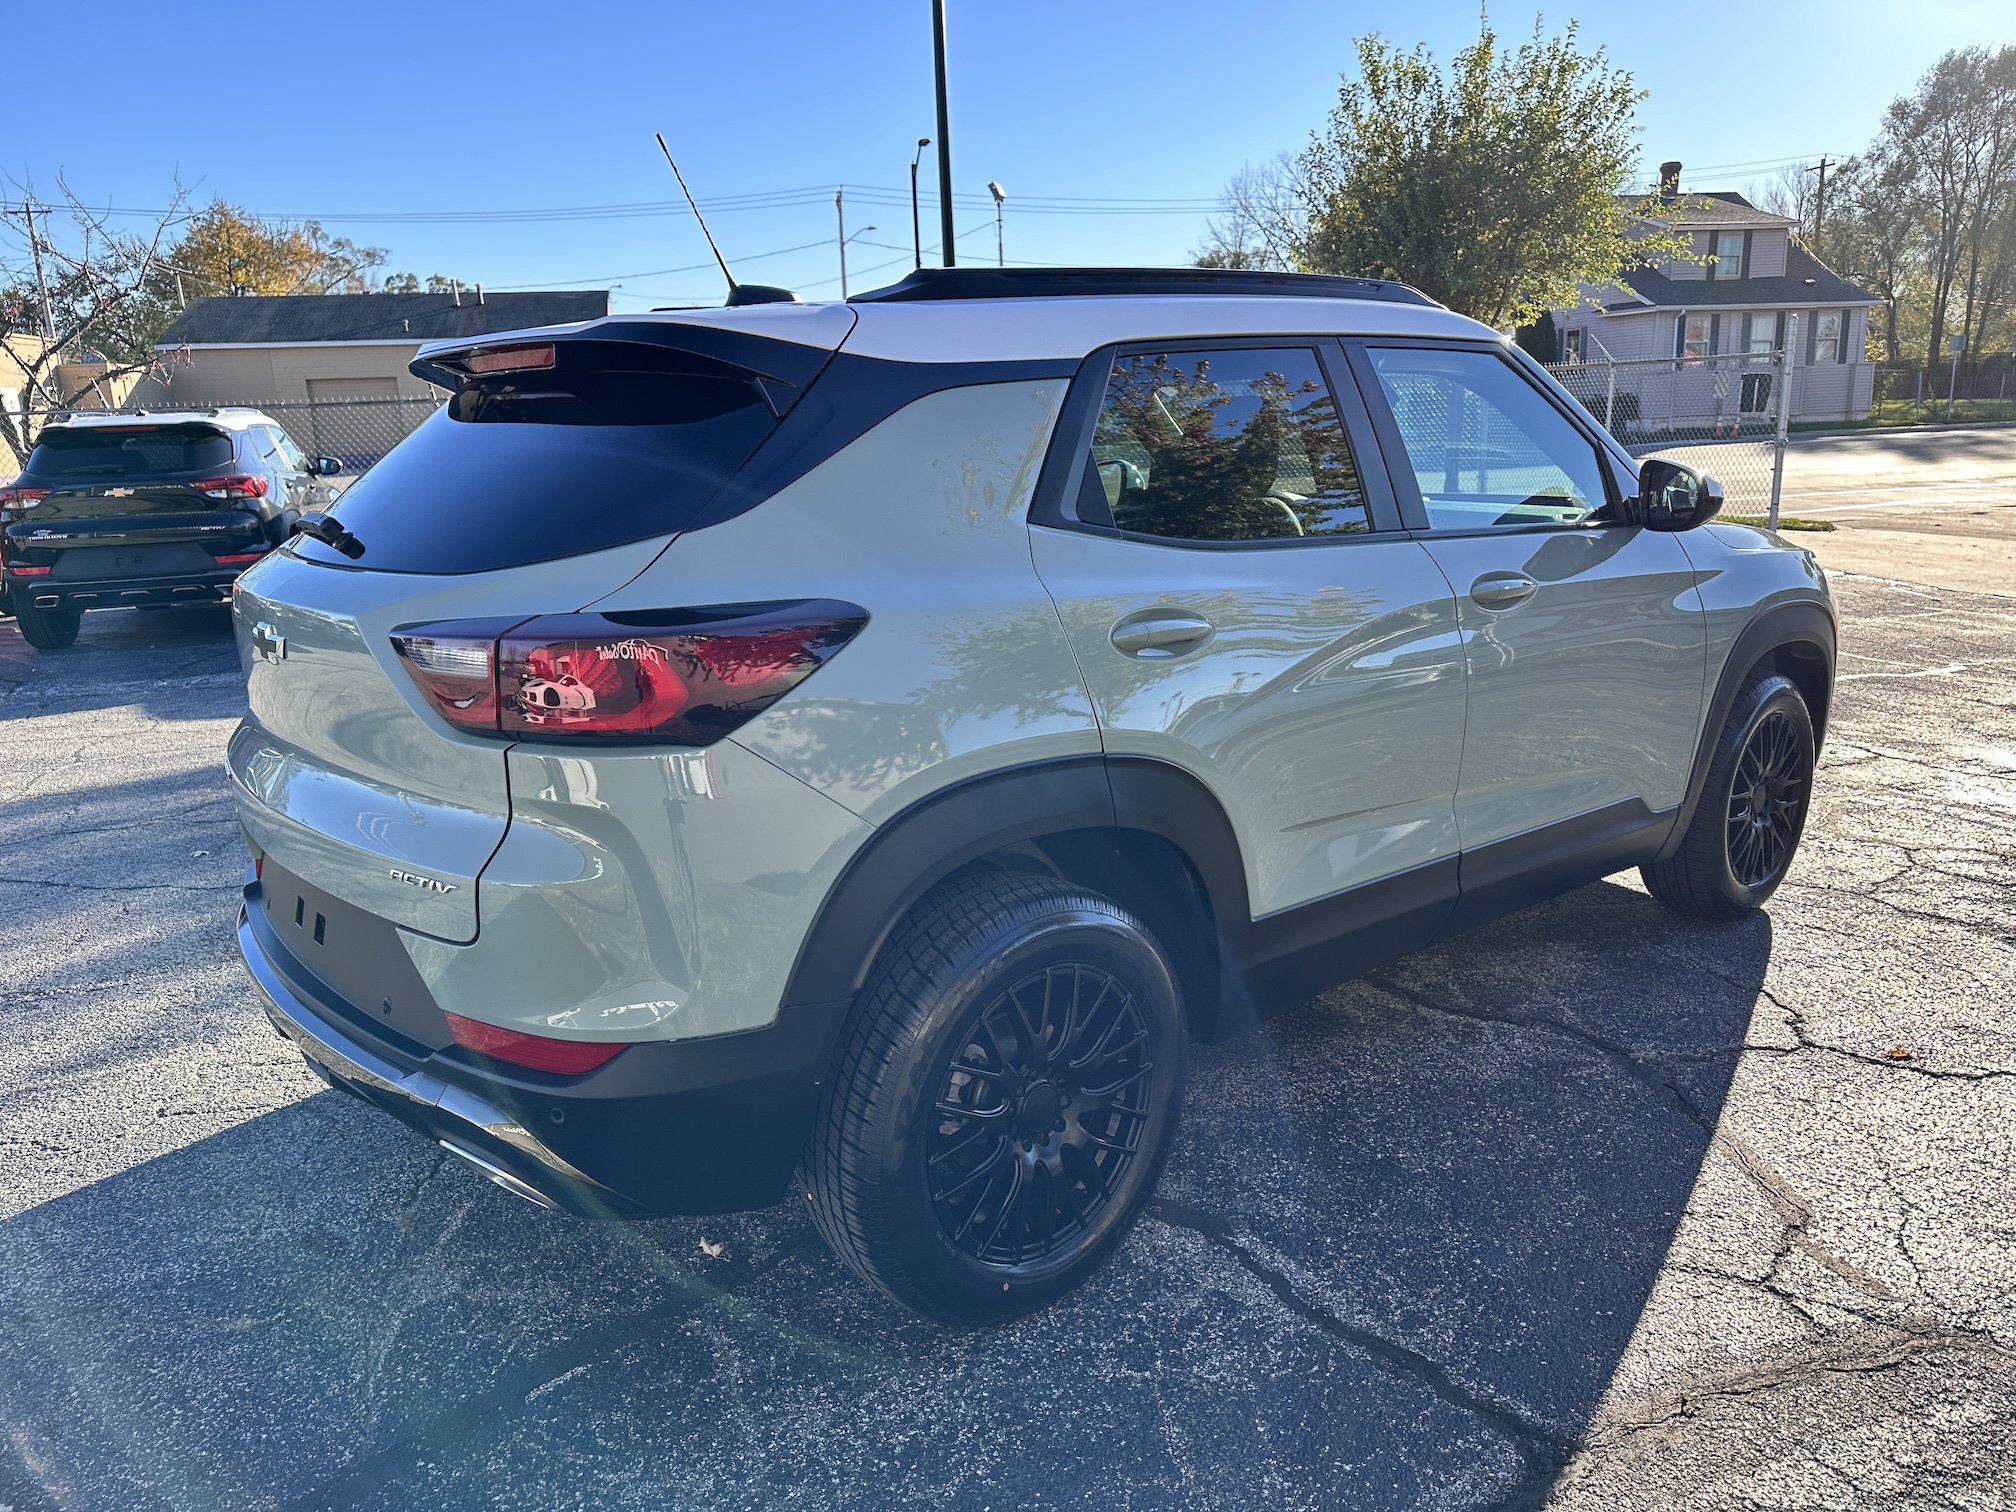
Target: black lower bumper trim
695, 1126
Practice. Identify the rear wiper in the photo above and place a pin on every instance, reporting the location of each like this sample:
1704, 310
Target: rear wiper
330, 534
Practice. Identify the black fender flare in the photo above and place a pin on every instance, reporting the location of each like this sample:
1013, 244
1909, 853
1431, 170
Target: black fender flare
1804, 623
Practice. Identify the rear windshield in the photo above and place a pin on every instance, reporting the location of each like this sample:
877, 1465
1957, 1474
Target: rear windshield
87, 453
527, 468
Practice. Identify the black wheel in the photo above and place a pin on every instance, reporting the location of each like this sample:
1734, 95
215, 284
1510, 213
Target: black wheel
48, 629
1752, 812
1005, 1095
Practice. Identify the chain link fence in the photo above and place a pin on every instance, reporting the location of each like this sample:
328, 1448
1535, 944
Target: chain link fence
1970, 389
357, 432
1722, 415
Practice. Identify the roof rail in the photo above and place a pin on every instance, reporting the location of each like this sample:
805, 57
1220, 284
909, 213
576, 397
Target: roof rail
1053, 283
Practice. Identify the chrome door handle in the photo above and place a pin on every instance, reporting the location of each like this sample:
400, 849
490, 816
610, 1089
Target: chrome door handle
1501, 590
1157, 633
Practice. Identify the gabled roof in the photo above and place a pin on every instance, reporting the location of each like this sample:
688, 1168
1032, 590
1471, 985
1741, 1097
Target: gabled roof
1721, 207
1807, 281
306, 319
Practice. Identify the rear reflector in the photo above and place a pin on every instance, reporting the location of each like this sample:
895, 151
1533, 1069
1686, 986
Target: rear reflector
509, 359
240, 556
565, 1057
673, 676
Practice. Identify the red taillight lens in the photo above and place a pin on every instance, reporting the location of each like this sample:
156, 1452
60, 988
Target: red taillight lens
566, 1057
676, 676
19, 570
22, 498
232, 486
239, 556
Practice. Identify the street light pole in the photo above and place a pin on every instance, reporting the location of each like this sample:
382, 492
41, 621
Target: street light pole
1000, 248
944, 132
843, 255
840, 215
916, 232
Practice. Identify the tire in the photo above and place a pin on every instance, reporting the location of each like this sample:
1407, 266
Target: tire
948, 1165
1746, 828
48, 629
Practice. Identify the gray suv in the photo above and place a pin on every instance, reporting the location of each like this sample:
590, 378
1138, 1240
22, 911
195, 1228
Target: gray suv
859, 745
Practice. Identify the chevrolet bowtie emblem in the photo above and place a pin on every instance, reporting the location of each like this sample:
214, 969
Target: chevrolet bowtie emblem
267, 643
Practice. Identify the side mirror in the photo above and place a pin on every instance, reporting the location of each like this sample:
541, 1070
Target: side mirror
1675, 497
325, 467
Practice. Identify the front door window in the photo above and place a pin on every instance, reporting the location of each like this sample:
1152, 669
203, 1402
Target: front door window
1486, 449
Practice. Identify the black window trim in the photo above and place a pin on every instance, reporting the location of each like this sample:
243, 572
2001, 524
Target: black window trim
1400, 468
1057, 486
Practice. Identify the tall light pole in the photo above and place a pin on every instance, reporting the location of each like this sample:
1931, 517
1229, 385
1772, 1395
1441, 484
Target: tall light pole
1000, 247
916, 233
944, 132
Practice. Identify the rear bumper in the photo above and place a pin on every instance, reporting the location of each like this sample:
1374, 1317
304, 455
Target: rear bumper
699, 1126
57, 593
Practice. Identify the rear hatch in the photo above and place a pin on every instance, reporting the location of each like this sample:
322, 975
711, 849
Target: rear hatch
537, 490
134, 501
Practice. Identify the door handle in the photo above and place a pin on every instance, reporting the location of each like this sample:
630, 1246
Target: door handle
1158, 633
1502, 590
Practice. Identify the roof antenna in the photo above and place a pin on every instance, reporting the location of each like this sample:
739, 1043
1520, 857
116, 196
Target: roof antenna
738, 293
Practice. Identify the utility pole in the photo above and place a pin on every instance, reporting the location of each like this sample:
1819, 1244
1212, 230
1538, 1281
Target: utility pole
944, 132
41, 278
840, 215
1820, 199
1000, 197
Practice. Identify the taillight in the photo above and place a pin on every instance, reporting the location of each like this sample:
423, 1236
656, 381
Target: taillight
17, 568
567, 1057
232, 486
455, 667
672, 676
239, 556
22, 498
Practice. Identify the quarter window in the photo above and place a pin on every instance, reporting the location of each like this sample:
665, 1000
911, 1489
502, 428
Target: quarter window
1827, 337
1487, 451
1236, 445
1728, 254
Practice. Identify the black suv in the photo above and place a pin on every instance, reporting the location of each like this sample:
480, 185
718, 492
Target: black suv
123, 511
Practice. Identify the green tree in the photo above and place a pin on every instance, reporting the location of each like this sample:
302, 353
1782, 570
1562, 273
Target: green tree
1494, 187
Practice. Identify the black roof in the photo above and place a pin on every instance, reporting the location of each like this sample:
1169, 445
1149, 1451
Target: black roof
1807, 280
301, 319
1050, 283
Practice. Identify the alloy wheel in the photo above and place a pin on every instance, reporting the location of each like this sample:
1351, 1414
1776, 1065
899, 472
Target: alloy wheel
1039, 1113
1767, 800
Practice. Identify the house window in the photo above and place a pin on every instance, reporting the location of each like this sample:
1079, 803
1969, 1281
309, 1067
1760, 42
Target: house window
1696, 336
1827, 336
1571, 345
1763, 334
1728, 255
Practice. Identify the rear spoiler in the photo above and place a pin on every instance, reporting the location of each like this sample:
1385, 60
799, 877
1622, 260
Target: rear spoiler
779, 369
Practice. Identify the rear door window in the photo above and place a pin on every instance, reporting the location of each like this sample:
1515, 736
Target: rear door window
606, 447
1242, 444
84, 455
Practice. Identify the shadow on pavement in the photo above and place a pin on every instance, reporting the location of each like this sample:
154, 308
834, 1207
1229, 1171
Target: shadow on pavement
1407, 1235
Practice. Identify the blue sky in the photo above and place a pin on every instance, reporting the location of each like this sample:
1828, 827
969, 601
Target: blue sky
449, 136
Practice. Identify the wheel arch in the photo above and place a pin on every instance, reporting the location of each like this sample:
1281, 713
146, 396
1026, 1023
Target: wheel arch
1794, 639
1144, 833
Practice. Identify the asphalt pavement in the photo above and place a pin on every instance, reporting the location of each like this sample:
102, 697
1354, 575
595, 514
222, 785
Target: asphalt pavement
1595, 1208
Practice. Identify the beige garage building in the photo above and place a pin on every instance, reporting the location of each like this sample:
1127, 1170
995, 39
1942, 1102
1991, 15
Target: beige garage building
297, 348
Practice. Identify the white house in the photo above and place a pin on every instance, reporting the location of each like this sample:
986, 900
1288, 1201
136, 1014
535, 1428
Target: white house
1740, 298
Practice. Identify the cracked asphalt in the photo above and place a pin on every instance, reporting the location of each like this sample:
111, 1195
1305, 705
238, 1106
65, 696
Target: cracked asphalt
1595, 1208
